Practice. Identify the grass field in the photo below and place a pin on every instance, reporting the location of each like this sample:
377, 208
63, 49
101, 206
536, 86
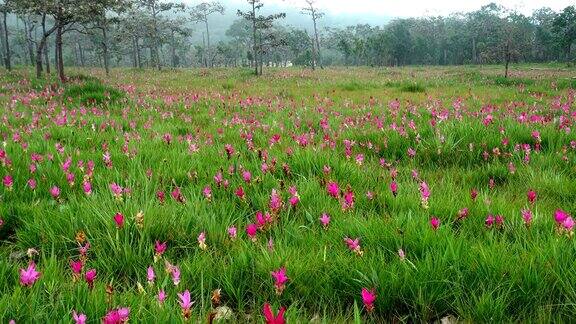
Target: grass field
458, 183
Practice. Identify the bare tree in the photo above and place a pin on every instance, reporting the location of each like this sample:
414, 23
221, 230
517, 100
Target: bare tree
315, 14
200, 14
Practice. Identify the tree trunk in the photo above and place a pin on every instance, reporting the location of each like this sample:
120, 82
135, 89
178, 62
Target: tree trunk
318, 54
2, 51
60, 62
81, 52
508, 57
474, 60
208, 49
173, 46
46, 57
7, 56
254, 45
105, 48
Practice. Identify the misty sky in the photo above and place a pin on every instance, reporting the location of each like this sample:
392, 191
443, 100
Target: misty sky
409, 8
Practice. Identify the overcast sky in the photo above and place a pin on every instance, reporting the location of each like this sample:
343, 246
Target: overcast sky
410, 8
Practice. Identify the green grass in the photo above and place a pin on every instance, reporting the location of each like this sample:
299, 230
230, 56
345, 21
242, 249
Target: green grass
463, 270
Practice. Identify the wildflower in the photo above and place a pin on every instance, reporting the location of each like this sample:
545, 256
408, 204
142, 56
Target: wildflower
280, 280
325, 220
79, 318
489, 221
275, 202
499, 220
90, 276
251, 230
175, 271
270, 244
425, 193
159, 249
435, 223
32, 183
202, 241
232, 232
473, 194
55, 192
401, 254
368, 298
240, 193
8, 182
269, 316
348, 199
119, 220
247, 176
29, 275
531, 196
161, 296
411, 152
116, 190
76, 267
354, 245
394, 188
229, 150
185, 303
560, 216
263, 219
117, 316
150, 275
87, 187
333, 189
527, 217
568, 224
207, 192
177, 195
462, 213
161, 196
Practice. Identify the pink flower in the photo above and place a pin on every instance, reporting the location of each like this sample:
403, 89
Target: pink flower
568, 224
401, 254
368, 298
294, 200
8, 181
175, 271
411, 152
527, 217
76, 266
247, 176
394, 188
462, 213
161, 296
229, 150
275, 201
177, 195
207, 192
499, 220
90, 276
150, 275
425, 193
232, 232
348, 200
531, 196
117, 316
325, 220
79, 318
473, 194
161, 196
240, 193
116, 190
270, 317
55, 192
560, 216
333, 189
280, 279
489, 221
32, 183
251, 230
87, 187
119, 220
202, 241
435, 223
160, 248
185, 303
354, 245
29, 275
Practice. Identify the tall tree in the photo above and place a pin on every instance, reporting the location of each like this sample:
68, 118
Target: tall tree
315, 14
564, 27
260, 24
200, 14
4, 9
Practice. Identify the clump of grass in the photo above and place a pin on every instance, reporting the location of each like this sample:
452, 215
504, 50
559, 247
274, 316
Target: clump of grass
228, 85
508, 82
92, 92
412, 87
353, 86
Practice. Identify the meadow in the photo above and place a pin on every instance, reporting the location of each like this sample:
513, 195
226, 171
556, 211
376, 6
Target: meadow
417, 194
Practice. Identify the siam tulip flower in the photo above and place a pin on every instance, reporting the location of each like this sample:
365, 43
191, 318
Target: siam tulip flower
401, 254
185, 303
202, 241
425, 193
232, 232
368, 298
251, 230
32, 184
218, 178
83, 249
70, 178
76, 267
8, 182
462, 213
175, 271
280, 279
527, 217
150, 275
499, 220
560, 216
29, 275
90, 276
531, 196
207, 192
87, 187
360, 159
294, 200
411, 152
369, 195
177, 195
435, 223
325, 220
79, 318
491, 183
269, 316
270, 244
473, 194
415, 175
240, 193
348, 200
394, 188
275, 202
326, 169
161, 296
159, 249
117, 316
116, 190
55, 192
161, 196
354, 245
568, 224
489, 221
247, 176
119, 220
263, 219
333, 189
229, 150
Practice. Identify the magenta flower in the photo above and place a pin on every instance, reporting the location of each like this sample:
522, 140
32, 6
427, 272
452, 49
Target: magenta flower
161, 296
527, 217
117, 316
568, 224
232, 232
32, 183
247, 176
202, 241
560, 216
325, 220
185, 303
240, 193
87, 187
175, 271
207, 192
119, 220
425, 193
435, 223
269, 316
79, 318
348, 200
76, 266
394, 188
55, 192
280, 279
29, 275
150, 275
401, 254
90, 276
160, 248
8, 182
275, 201
354, 245
116, 190
368, 298
333, 189
489, 221
473, 194
531, 196
251, 230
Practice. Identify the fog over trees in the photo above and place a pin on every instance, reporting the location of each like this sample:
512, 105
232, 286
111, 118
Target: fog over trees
52, 34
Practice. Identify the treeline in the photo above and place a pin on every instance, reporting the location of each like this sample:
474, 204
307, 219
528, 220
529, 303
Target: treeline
156, 34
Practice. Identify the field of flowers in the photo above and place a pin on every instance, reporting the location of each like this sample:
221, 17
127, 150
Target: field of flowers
336, 196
